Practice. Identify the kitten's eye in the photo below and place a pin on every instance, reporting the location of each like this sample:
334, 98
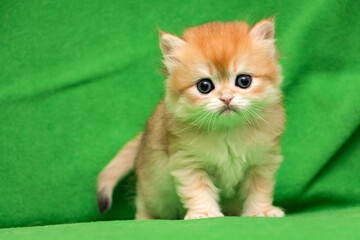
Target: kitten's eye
205, 85
243, 80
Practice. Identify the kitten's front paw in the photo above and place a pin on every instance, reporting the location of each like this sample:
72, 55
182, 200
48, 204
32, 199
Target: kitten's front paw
197, 214
268, 212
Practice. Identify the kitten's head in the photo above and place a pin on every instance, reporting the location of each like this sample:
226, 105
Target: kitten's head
221, 74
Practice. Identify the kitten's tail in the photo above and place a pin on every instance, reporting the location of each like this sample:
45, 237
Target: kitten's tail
118, 167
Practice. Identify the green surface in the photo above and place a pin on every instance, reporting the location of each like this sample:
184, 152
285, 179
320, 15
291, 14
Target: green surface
78, 79
334, 224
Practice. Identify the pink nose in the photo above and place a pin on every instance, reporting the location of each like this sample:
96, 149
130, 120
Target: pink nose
226, 98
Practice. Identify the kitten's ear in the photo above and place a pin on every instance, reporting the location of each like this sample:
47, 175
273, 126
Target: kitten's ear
169, 45
263, 33
263, 30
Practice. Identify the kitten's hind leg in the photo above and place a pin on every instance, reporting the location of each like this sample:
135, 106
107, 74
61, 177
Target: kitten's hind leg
141, 212
143, 215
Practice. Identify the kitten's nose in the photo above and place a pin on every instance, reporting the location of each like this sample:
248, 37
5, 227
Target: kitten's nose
226, 97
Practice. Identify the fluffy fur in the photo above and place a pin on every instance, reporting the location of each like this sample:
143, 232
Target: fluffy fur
215, 154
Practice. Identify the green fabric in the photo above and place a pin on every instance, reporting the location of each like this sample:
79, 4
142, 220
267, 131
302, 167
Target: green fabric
334, 224
78, 79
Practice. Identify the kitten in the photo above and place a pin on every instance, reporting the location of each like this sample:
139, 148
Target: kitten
212, 146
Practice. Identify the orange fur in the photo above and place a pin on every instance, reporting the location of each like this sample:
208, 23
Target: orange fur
204, 152
220, 47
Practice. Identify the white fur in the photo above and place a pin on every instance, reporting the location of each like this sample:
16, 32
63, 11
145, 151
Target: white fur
170, 45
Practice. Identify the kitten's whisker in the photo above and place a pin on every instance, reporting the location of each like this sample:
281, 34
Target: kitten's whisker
207, 122
216, 116
265, 121
211, 121
194, 122
204, 117
256, 115
245, 117
247, 113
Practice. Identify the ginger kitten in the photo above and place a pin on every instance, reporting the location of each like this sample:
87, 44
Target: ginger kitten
212, 146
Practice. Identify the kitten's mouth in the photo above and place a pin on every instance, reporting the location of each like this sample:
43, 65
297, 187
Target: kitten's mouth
227, 110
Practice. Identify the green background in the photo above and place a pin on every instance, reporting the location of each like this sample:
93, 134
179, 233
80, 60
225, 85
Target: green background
78, 79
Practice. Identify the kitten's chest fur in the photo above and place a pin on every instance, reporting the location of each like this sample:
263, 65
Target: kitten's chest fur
226, 156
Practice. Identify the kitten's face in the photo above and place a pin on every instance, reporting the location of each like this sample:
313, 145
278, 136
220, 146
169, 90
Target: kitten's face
221, 74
